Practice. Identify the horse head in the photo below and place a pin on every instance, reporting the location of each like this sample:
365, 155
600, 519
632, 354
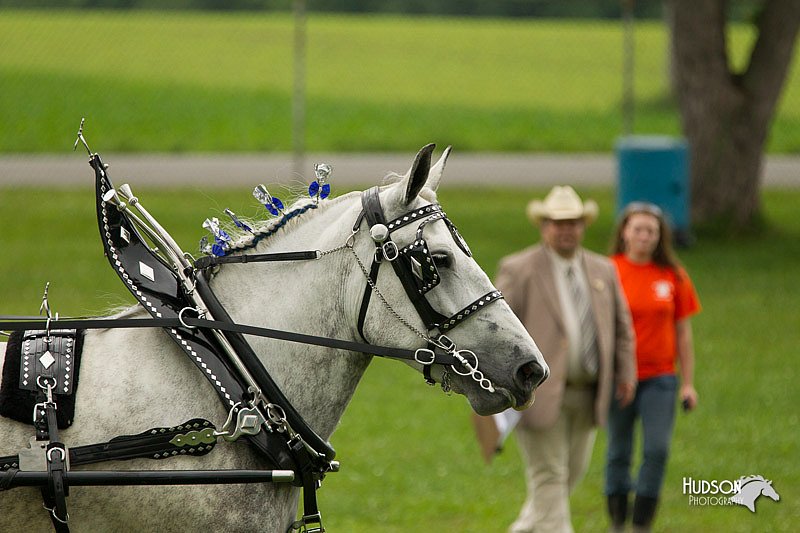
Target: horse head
502, 364
769, 491
750, 488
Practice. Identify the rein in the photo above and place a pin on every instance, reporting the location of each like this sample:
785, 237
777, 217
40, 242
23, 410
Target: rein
442, 358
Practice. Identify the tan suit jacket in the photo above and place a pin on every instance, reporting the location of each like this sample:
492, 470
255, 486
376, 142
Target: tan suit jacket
528, 283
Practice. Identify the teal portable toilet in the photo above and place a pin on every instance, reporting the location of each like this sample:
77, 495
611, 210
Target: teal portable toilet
655, 169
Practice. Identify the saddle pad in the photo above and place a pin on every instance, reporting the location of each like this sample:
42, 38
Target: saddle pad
27, 355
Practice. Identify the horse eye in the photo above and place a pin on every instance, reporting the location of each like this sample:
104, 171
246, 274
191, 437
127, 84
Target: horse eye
442, 260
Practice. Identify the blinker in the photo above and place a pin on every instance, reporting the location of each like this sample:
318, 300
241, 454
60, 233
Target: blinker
415, 267
419, 260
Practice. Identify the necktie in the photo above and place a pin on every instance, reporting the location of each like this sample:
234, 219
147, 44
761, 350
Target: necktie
587, 349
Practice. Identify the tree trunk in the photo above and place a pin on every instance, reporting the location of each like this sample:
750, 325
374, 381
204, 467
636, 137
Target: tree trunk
726, 115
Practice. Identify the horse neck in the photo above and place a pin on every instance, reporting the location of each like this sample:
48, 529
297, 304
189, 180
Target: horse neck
312, 297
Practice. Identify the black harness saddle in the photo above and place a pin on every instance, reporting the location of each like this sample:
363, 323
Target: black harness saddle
33, 358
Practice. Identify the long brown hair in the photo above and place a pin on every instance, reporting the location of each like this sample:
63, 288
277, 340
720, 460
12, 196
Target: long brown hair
664, 254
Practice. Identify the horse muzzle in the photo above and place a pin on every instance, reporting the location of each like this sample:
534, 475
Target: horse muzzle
527, 378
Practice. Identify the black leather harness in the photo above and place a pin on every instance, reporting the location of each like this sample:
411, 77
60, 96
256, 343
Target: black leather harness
178, 297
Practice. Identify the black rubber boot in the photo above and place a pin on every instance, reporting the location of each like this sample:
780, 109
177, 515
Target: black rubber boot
644, 511
618, 512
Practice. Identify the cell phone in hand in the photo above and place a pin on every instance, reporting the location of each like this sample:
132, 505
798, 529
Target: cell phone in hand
685, 404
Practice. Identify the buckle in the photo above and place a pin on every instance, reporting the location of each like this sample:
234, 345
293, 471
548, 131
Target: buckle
302, 525
445, 343
421, 353
390, 251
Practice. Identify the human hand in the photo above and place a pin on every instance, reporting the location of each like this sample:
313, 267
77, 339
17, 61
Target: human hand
625, 393
688, 397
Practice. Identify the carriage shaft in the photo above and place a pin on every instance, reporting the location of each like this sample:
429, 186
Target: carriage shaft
155, 477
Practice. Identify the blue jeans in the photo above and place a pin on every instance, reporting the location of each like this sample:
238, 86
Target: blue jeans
655, 405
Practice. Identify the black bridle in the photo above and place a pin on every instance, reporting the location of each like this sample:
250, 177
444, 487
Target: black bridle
416, 268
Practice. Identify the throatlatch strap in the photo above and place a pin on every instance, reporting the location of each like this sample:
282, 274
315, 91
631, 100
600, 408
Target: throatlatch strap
362, 313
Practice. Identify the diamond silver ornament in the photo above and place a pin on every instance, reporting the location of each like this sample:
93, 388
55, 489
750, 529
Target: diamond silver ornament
47, 359
416, 268
147, 271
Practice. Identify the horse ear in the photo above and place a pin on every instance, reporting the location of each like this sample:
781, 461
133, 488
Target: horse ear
435, 175
418, 174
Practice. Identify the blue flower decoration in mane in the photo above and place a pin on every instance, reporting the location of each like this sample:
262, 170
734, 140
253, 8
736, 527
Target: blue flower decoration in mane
237, 222
272, 203
319, 189
222, 241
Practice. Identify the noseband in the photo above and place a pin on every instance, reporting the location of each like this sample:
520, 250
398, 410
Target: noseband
415, 267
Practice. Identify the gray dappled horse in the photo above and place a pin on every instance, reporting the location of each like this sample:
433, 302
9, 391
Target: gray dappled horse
132, 380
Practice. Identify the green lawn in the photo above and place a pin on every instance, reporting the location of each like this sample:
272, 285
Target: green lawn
190, 81
409, 458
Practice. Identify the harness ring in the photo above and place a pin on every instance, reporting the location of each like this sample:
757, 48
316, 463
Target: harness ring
46, 384
471, 369
187, 308
276, 414
52, 512
56, 448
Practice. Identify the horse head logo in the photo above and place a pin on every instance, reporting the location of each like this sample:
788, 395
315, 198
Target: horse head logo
750, 488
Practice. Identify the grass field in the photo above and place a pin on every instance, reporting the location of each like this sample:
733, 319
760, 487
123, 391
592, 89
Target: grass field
409, 459
178, 81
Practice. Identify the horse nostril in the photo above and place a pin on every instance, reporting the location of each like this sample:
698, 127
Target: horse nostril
531, 374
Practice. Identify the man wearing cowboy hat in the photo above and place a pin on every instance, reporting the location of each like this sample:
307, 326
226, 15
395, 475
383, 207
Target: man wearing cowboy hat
570, 301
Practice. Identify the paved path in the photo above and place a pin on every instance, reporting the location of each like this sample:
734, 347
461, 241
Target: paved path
348, 169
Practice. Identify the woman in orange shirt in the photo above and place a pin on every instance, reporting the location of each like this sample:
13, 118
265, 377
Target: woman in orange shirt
661, 299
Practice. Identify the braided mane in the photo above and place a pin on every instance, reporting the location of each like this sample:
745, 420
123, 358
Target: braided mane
262, 229
744, 480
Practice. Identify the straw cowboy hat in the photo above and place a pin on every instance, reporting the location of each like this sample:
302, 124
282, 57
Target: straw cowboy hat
562, 203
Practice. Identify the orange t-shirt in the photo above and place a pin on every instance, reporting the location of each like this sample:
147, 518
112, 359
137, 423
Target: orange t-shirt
658, 298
